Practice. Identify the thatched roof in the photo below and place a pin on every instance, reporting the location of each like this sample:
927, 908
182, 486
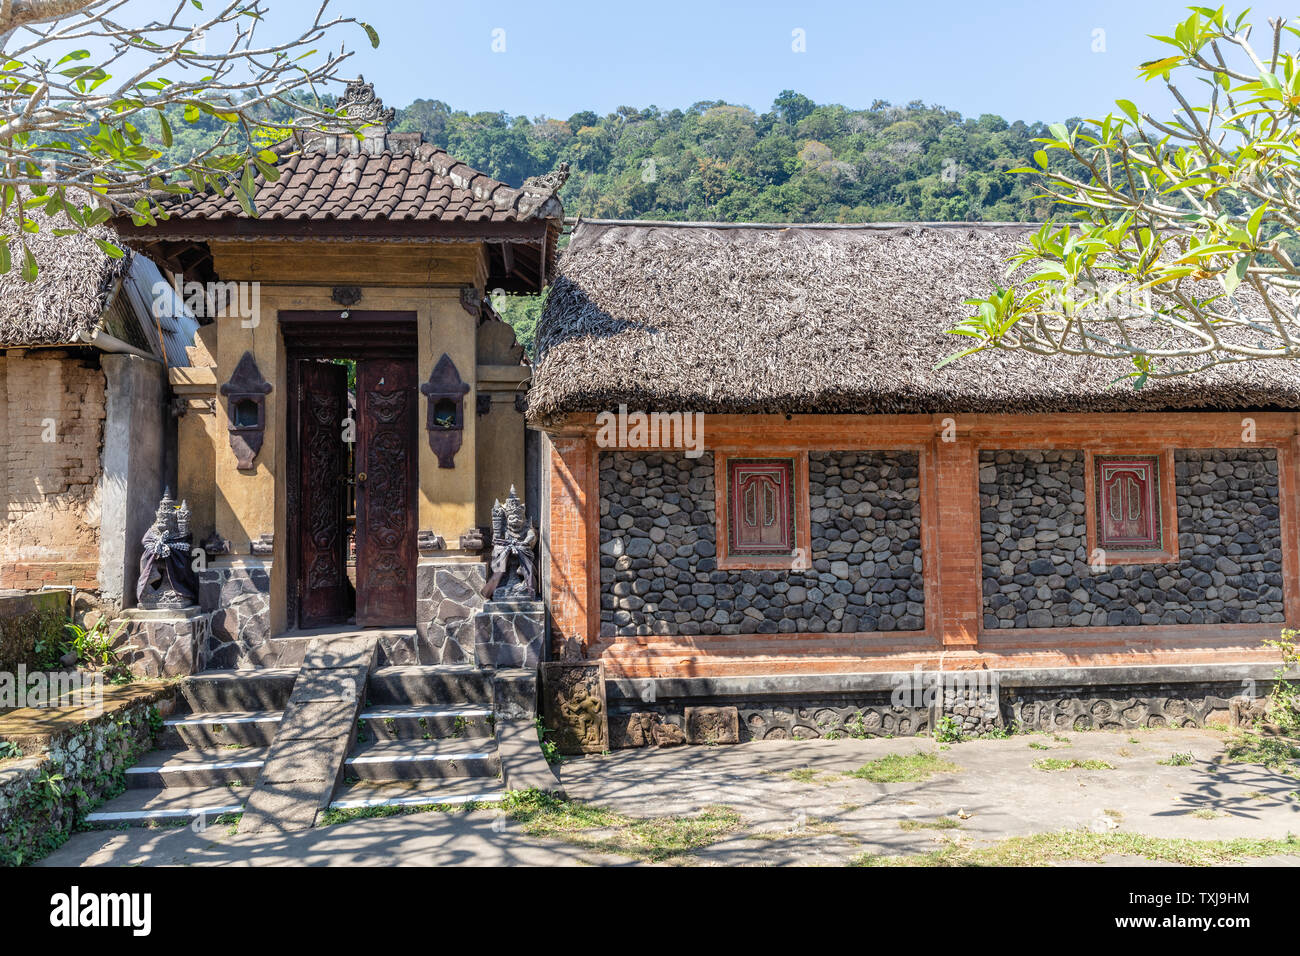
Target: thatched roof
71, 290
769, 319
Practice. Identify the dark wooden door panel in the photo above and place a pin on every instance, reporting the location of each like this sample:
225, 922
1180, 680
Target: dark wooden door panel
326, 593
387, 426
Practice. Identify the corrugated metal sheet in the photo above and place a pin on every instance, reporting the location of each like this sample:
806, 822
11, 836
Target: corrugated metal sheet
163, 319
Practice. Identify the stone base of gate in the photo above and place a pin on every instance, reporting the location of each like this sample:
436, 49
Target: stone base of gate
447, 596
237, 593
163, 643
509, 634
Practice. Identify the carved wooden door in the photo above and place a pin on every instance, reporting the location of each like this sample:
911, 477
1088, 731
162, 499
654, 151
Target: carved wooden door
387, 423
326, 593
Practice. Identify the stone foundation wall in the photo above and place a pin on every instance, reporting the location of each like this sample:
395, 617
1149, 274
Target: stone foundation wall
1122, 706
969, 708
835, 716
50, 489
658, 547
1036, 570
38, 810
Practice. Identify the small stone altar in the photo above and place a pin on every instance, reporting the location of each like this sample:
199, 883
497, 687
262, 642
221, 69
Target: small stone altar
165, 635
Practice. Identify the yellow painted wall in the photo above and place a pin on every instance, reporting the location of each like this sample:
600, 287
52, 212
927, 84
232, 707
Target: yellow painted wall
250, 503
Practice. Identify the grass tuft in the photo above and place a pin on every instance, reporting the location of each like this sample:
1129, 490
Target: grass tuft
903, 768
943, 823
1052, 764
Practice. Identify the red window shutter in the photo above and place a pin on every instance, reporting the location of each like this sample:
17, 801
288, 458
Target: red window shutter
1128, 504
760, 505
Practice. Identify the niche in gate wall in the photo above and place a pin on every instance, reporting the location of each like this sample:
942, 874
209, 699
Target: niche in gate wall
246, 393
445, 418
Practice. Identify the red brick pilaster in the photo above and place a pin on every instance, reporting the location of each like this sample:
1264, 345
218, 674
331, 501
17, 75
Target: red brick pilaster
956, 477
574, 541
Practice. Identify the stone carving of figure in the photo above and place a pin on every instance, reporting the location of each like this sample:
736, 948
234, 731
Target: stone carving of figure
582, 709
167, 579
513, 563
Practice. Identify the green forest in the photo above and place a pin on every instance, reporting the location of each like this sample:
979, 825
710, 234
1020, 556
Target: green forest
798, 161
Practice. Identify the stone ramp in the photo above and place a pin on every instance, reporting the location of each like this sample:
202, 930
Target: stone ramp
315, 734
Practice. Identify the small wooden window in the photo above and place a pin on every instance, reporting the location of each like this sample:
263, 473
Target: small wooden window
1132, 510
1128, 504
760, 506
761, 510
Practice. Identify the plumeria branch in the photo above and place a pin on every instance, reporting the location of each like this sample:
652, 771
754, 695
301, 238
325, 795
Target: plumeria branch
1181, 253
89, 102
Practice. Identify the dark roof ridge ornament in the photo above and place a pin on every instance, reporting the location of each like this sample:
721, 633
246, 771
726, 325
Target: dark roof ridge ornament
548, 183
361, 107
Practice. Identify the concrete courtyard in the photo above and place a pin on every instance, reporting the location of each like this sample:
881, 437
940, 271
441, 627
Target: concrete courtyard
794, 803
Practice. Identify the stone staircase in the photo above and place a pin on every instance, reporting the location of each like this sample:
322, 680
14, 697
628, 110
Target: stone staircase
425, 734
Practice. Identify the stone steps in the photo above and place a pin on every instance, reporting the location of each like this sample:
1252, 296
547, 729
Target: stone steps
387, 760
423, 721
411, 793
213, 730
161, 769
142, 807
424, 735
429, 685
224, 691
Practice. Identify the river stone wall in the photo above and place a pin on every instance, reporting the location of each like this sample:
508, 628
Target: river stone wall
1036, 571
658, 550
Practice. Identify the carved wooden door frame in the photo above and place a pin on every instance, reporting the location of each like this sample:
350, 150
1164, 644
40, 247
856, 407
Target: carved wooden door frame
312, 335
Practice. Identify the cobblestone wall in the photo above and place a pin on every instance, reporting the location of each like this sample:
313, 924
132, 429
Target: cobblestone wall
1036, 571
658, 550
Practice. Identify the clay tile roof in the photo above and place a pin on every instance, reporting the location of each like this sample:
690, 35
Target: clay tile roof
420, 185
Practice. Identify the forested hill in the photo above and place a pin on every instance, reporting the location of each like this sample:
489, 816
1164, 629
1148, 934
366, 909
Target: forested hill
797, 162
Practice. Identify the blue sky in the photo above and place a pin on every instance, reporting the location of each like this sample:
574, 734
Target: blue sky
1023, 60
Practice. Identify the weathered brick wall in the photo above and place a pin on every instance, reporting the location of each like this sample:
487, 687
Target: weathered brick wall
49, 526
1036, 571
658, 565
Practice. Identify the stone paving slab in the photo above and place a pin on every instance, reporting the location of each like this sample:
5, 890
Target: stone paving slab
316, 719
352, 652
316, 759
328, 684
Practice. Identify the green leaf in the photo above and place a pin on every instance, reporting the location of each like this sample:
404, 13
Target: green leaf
30, 269
1129, 110
166, 130
108, 249
1040, 157
372, 34
958, 355
1234, 276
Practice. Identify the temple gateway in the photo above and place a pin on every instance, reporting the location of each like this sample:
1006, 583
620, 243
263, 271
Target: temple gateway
352, 406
